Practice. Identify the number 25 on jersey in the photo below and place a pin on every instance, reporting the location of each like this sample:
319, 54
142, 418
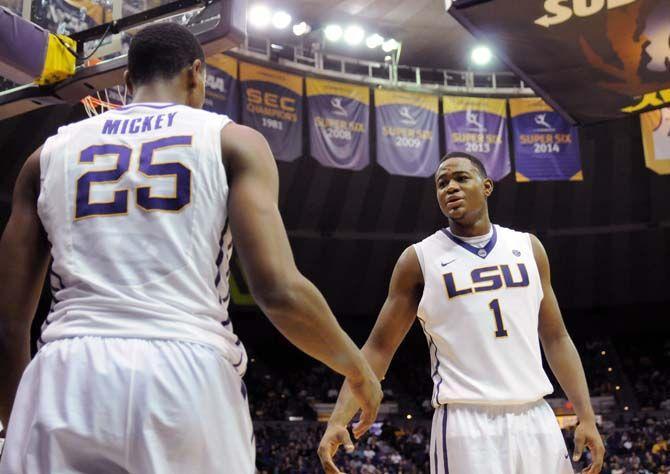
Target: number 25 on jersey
144, 198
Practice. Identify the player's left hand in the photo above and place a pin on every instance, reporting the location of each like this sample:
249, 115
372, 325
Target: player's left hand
334, 436
587, 435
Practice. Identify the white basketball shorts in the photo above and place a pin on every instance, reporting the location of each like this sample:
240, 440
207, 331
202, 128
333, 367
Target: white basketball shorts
108, 405
510, 439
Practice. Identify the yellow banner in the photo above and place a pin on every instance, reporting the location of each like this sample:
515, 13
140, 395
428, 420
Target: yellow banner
387, 97
323, 87
656, 139
528, 105
251, 72
463, 104
225, 63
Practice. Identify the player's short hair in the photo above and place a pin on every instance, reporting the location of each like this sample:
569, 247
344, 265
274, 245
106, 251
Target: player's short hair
161, 51
477, 163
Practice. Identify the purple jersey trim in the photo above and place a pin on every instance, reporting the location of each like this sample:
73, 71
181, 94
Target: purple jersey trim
151, 105
488, 248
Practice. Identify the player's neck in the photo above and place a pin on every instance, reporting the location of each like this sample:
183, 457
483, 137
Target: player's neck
158, 93
480, 227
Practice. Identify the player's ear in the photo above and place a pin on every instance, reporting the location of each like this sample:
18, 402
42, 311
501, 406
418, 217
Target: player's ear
126, 80
488, 187
196, 72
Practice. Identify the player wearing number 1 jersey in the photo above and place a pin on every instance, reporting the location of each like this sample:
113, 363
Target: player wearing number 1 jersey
483, 295
139, 369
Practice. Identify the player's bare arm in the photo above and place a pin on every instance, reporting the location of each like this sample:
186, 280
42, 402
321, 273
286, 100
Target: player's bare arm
394, 320
291, 302
24, 253
566, 365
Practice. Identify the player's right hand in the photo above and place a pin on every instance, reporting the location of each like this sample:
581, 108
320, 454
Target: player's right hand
368, 393
334, 436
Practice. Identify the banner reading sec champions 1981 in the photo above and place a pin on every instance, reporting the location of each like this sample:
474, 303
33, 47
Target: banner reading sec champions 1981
221, 89
479, 127
407, 132
272, 104
546, 147
339, 123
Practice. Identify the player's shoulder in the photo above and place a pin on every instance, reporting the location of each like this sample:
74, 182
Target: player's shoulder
509, 233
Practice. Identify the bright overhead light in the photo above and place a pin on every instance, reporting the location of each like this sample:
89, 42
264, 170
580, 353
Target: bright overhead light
390, 45
260, 16
281, 20
353, 35
374, 40
448, 4
333, 32
481, 55
301, 28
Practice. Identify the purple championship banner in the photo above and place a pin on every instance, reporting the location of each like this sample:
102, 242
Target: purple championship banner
479, 127
546, 146
222, 94
407, 132
339, 123
272, 104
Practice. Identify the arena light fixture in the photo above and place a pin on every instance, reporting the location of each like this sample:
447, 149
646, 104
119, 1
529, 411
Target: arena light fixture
260, 16
354, 35
390, 45
481, 55
281, 20
301, 29
374, 40
333, 32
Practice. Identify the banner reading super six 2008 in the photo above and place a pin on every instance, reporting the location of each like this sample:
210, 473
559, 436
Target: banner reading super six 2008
479, 126
272, 104
546, 147
339, 123
407, 133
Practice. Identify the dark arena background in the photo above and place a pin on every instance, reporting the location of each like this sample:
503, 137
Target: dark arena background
607, 234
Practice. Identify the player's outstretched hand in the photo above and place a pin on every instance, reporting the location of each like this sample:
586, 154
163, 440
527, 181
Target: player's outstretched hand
334, 436
368, 393
587, 434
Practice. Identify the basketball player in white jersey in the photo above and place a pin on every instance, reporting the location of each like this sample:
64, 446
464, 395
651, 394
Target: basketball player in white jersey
139, 370
483, 295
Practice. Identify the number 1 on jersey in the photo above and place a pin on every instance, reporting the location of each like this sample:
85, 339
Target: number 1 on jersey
500, 329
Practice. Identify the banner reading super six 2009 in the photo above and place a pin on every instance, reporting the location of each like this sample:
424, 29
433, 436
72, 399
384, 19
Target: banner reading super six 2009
339, 123
546, 147
407, 133
272, 104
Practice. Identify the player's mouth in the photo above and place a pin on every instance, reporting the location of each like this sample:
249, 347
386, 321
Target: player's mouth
454, 202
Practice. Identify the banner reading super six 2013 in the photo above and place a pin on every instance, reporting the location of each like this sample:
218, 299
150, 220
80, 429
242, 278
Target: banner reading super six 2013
546, 147
339, 123
272, 104
479, 127
407, 133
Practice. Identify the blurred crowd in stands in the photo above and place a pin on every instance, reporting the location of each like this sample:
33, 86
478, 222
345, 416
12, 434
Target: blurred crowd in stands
637, 440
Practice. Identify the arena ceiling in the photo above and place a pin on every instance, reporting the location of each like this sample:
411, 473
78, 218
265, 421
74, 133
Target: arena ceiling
430, 36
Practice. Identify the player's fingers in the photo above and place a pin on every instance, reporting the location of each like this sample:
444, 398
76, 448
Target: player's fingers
326, 458
598, 454
579, 445
344, 439
365, 422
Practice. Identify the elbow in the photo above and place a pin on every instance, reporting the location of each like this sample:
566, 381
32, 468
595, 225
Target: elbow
278, 297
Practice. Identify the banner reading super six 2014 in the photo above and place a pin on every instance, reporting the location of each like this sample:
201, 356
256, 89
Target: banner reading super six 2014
339, 123
407, 133
546, 147
479, 126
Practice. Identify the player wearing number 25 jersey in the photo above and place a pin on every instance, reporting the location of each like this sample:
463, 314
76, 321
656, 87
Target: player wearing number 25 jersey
138, 368
483, 296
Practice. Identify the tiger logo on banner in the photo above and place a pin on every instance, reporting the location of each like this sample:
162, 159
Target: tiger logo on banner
272, 104
546, 146
222, 87
407, 132
656, 139
479, 127
339, 117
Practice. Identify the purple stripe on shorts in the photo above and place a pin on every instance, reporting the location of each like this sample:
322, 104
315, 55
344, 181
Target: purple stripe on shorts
444, 440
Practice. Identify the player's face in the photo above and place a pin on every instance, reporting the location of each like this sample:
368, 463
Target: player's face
461, 190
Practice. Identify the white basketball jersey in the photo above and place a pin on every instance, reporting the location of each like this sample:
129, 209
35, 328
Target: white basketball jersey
479, 311
134, 204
